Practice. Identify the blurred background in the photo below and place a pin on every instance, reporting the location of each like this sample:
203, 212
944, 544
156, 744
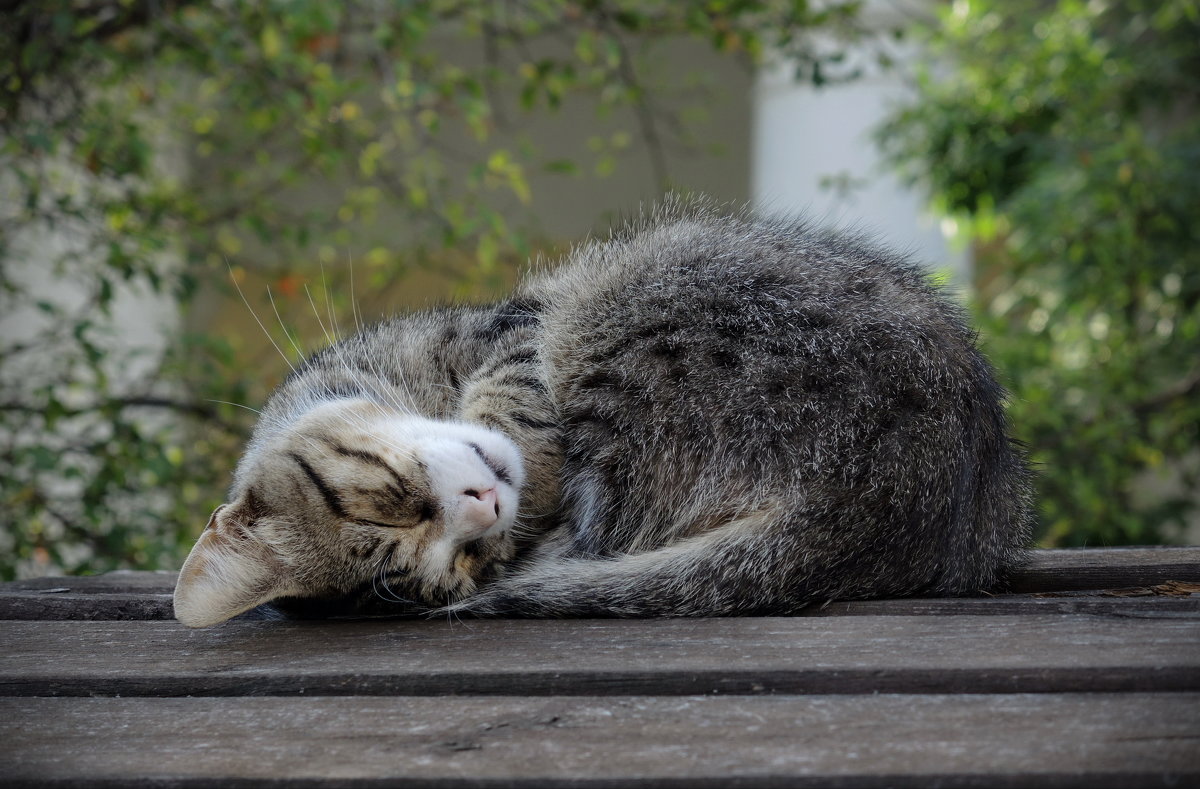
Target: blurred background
174, 173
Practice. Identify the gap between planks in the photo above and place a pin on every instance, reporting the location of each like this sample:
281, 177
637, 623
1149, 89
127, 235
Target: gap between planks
66, 606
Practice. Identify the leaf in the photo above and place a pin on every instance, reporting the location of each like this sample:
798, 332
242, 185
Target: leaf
271, 43
565, 166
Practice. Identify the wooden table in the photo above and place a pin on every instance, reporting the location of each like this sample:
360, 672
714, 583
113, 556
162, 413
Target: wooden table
1087, 675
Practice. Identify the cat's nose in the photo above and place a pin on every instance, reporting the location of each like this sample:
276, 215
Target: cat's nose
481, 508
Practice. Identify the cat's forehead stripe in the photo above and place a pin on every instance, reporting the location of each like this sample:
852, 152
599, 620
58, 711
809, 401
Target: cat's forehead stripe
371, 459
500, 472
332, 500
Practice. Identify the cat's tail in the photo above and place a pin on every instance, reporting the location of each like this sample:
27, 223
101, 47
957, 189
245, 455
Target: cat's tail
743, 567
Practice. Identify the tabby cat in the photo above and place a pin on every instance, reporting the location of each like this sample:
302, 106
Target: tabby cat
702, 415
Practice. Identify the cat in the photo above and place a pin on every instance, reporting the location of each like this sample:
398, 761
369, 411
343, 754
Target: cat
705, 414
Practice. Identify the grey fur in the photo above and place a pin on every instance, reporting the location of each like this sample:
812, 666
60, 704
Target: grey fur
723, 415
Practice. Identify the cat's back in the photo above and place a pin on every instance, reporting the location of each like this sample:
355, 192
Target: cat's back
708, 365
747, 324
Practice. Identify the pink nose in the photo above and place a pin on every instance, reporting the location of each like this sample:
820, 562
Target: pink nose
481, 508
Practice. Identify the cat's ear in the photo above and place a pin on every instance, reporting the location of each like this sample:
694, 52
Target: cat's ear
230, 570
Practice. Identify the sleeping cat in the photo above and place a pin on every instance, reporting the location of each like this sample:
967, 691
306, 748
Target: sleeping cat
702, 415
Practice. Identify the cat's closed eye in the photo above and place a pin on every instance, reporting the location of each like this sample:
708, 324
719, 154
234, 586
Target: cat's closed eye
354, 491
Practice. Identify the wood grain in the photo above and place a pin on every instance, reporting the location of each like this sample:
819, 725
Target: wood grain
1062, 683
147, 595
33, 606
119, 582
1059, 570
1095, 603
1054, 740
66, 606
965, 654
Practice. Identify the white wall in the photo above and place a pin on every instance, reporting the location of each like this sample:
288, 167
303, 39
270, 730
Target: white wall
803, 134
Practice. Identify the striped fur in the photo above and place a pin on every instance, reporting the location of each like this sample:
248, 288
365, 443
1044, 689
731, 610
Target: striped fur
713, 415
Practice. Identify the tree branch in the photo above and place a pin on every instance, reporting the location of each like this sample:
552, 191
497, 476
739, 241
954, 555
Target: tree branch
1182, 388
200, 410
641, 108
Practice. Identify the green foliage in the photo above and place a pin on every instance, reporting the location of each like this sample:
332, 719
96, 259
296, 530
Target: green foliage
159, 145
1065, 138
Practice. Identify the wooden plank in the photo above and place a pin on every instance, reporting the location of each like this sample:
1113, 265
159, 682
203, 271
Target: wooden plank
1052, 740
1098, 604
1066, 569
64, 606
69, 606
894, 654
121, 595
147, 595
1049, 570
118, 582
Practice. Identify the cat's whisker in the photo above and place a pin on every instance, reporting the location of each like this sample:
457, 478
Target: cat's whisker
360, 423
453, 617
379, 575
403, 384
525, 513
375, 574
390, 399
255, 316
239, 405
336, 346
331, 342
320, 323
283, 326
316, 448
392, 596
353, 299
329, 304
375, 578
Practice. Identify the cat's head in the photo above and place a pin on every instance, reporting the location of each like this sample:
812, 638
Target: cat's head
354, 496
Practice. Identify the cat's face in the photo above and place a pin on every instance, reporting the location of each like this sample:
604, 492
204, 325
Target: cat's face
350, 497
